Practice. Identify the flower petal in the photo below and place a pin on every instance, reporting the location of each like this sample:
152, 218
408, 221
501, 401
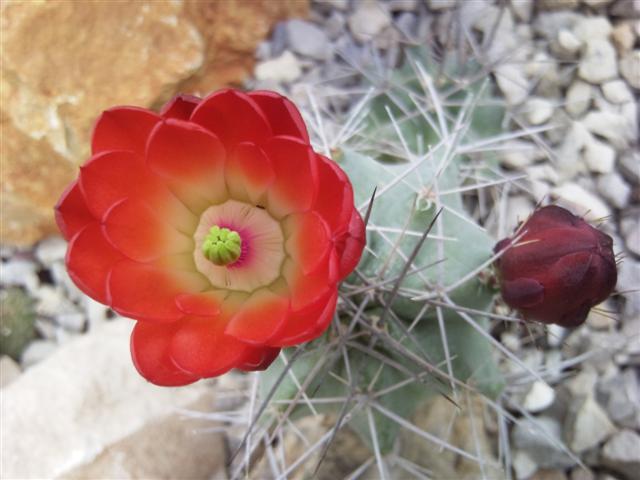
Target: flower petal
149, 293
296, 182
201, 347
350, 245
90, 258
150, 353
260, 316
204, 304
72, 214
309, 288
233, 116
308, 240
187, 154
249, 173
307, 324
180, 107
258, 358
283, 116
123, 128
136, 231
335, 197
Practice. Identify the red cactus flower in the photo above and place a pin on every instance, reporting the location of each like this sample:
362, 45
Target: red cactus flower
216, 226
558, 269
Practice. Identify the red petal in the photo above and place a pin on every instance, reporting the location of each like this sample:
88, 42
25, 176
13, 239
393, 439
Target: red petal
522, 292
283, 116
309, 288
72, 214
123, 128
180, 107
296, 183
145, 292
233, 116
260, 316
258, 358
335, 195
150, 353
307, 324
552, 216
351, 244
249, 173
90, 258
201, 347
204, 304
308, 240
136, 231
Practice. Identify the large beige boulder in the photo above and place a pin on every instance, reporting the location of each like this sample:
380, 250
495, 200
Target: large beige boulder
84, 412
63, 63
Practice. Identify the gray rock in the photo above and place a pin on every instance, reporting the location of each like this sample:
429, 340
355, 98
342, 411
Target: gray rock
617, 91
568, 44
539, 397
538, 110
335, 24
368, 20
37, 351
597, 3
407, 23
623, 37
578, 98
612, 126
542, 441
580, 473
51, 301
519, 154
558, 4
581, 201
630, 68
51, 250
570, 155
512, 82
523, 10
598, 63
441, 4
589, 28
96, 312
614, 189
599, 156
629, 284
548, 24
519, 207
285, 68
629, 165
403, 5
622, 453
308, 39
73, 321
620, 395
9, 370
632, 239
523, 465
626, 9
342, 5
19, 272
587, 425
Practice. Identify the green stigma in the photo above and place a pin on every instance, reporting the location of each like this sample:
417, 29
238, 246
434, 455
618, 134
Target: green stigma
222, 246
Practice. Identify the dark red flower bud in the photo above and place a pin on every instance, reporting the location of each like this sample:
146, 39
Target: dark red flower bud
557, 269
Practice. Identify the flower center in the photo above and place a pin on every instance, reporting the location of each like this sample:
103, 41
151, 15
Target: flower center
222, 246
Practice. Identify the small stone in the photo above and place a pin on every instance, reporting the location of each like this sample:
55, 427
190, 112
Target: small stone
9, 370
581, 201
632, 239
285, 68
630, 68
441, 4
614, 189
629, 166
511, 341
519, 154
596, 3
523, 10
539, 397
334, 25
523, 465
541, 439
558, 4
598, 63
51, 302
539, 110
96, 312
626, 9
368, 20
307, 39
512, 83
623, 37
519, 208
612, 126
622, 453
620, 396
37, 351
589, 28
580, 473
617, 91
599, 156
583, 384
403, 5
51, 250
74, 321
578, 98
568, 42
600, 318
555, 335
587, 426
20, 273
549, 474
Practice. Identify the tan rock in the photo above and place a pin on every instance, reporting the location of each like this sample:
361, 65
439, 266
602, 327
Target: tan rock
84, 412
65, 62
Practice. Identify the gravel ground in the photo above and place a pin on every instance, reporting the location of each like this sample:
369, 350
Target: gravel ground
571, 65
